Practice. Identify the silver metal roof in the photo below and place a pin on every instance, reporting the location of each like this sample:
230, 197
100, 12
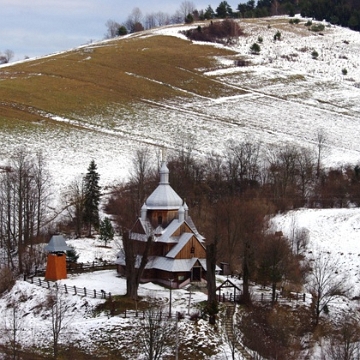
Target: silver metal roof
164, 196
57, 244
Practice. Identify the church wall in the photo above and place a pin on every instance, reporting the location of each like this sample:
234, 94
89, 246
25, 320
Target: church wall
192, 249
161, 217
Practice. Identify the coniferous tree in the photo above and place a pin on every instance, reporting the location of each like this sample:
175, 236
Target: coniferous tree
106, 230
92, 197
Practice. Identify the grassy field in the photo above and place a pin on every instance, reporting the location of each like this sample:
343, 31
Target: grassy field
92, 80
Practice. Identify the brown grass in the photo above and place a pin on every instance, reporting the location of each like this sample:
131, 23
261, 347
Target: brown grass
86, 82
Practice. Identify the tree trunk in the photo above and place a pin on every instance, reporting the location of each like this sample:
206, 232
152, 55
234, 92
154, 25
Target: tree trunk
133, 273
211, 281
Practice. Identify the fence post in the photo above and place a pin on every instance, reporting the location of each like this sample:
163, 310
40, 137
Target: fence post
94, 293
39, 281
48, 285
75, 290
85, 291
65, 288
262, 297
304, 297
125, 314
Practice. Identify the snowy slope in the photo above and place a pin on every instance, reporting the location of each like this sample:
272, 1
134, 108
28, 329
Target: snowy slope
287, 97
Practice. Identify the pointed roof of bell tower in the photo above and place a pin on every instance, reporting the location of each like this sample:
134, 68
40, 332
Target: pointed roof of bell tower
164, 196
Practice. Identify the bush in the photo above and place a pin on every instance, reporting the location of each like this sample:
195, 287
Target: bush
314, 54
72, 255
317, 27
344, 71
255, 48
260, 40
221, 32
294, 21
277, 36
308, 23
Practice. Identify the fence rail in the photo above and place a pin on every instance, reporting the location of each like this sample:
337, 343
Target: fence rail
99, 294
262, 297
79, 268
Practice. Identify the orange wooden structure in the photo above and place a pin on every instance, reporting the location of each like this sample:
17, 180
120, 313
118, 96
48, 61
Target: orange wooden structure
56, 267
56, 261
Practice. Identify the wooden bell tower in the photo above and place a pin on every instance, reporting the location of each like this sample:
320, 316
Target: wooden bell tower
56, 260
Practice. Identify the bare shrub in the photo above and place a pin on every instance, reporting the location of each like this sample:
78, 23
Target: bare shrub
7, 280
279, 328
344, 342
220, 31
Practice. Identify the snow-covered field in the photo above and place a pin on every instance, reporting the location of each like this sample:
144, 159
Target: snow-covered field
287, 98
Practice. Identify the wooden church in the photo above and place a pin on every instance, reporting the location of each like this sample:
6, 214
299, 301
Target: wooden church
178, 255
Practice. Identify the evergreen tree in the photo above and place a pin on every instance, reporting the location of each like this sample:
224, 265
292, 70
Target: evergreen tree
92, 197
106, 230
223, 10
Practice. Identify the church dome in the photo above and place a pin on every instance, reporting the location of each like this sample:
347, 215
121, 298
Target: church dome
164, 196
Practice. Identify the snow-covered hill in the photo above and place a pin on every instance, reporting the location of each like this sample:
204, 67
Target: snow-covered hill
285, 97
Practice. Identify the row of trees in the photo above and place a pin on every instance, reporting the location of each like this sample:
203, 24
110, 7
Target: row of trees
343, 12
25, 208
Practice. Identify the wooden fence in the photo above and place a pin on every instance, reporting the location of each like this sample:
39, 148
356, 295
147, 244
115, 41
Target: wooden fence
100, 294
79, 268
262, 297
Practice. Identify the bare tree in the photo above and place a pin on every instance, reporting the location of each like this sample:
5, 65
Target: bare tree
157, 333
345, 342
162, 18
276, 261
9, 54
321, 138
140, 173
60, 318
112, 29
186, 8
12, 327
136, 257
325, 284
73, 199
24, 194
134, 21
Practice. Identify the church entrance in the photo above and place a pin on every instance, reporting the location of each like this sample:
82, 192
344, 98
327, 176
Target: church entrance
196, 274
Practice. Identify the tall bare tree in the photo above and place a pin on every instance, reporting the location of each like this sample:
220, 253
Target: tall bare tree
74, 200
24, 195
325, 284
60, 317
186, 7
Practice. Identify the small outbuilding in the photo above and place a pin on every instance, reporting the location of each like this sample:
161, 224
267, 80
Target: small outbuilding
56, 260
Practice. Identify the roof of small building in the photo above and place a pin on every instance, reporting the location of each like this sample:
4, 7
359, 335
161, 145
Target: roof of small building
57, 244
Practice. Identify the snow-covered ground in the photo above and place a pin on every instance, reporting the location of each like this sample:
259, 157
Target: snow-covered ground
332, 232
